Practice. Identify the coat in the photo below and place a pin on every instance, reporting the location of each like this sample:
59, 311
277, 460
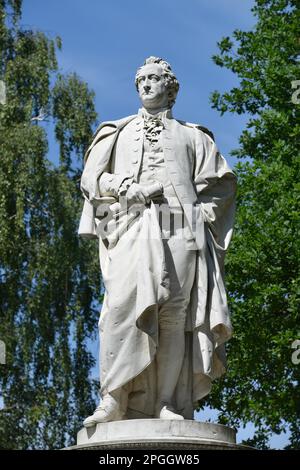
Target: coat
135, 269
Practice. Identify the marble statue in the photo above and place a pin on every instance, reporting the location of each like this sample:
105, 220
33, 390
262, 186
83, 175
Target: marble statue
160, 198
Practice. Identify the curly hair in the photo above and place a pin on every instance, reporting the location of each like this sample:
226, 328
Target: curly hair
171, 81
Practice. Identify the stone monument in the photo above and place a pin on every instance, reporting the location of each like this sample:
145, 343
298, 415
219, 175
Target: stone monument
160, 198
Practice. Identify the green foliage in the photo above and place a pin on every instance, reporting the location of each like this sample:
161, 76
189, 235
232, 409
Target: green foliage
73, 109
48, 277
262, 383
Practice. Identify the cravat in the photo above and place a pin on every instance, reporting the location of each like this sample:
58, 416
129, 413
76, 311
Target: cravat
152, 128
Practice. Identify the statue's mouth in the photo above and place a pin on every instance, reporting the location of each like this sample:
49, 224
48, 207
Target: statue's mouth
148, 94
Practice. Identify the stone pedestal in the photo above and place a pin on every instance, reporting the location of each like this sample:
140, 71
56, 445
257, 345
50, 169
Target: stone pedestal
157, 434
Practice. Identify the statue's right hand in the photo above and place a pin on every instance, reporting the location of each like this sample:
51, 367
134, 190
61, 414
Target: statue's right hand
136, 193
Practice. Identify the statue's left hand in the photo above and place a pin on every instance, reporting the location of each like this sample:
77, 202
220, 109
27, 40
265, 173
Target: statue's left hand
136, 193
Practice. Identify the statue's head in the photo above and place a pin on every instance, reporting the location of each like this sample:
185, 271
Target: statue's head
156, 84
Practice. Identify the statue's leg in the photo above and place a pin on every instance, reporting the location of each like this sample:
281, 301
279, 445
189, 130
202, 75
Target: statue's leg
172, 318
111, 408
170, 354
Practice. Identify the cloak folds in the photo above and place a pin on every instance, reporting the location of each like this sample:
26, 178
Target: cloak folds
135, 273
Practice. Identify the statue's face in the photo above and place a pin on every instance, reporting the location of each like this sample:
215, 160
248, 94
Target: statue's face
151, 87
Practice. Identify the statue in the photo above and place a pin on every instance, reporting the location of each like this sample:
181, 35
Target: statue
160, 198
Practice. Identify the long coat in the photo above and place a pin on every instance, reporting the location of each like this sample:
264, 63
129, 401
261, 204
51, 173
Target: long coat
134, 271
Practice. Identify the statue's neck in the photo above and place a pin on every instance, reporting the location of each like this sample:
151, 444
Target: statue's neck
159, 112
155, 111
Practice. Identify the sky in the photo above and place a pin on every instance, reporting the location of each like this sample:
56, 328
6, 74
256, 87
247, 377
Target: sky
104, 42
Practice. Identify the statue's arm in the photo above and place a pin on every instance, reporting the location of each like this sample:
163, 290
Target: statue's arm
211, 170
113, 185
98, 179
215, 184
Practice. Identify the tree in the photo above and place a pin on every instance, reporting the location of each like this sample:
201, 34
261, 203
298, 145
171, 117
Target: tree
262, 383
48, 279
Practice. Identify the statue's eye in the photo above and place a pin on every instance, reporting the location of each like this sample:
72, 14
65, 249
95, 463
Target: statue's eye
154, 78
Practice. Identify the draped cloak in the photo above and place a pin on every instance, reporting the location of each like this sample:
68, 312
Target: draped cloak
134, 270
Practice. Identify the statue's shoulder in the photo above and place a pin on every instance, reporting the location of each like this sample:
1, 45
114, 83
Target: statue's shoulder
199, 127
107, 129
116, 124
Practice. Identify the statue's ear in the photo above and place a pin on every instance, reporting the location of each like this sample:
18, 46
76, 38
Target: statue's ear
171, 96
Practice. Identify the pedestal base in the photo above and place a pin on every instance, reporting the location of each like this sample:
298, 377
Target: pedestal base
157, 434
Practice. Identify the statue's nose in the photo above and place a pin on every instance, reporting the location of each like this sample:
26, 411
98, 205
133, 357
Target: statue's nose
147, 84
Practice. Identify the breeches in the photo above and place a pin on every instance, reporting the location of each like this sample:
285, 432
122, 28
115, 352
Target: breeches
181, 265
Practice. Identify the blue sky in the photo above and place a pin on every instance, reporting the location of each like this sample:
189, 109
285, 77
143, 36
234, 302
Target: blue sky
105, 41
